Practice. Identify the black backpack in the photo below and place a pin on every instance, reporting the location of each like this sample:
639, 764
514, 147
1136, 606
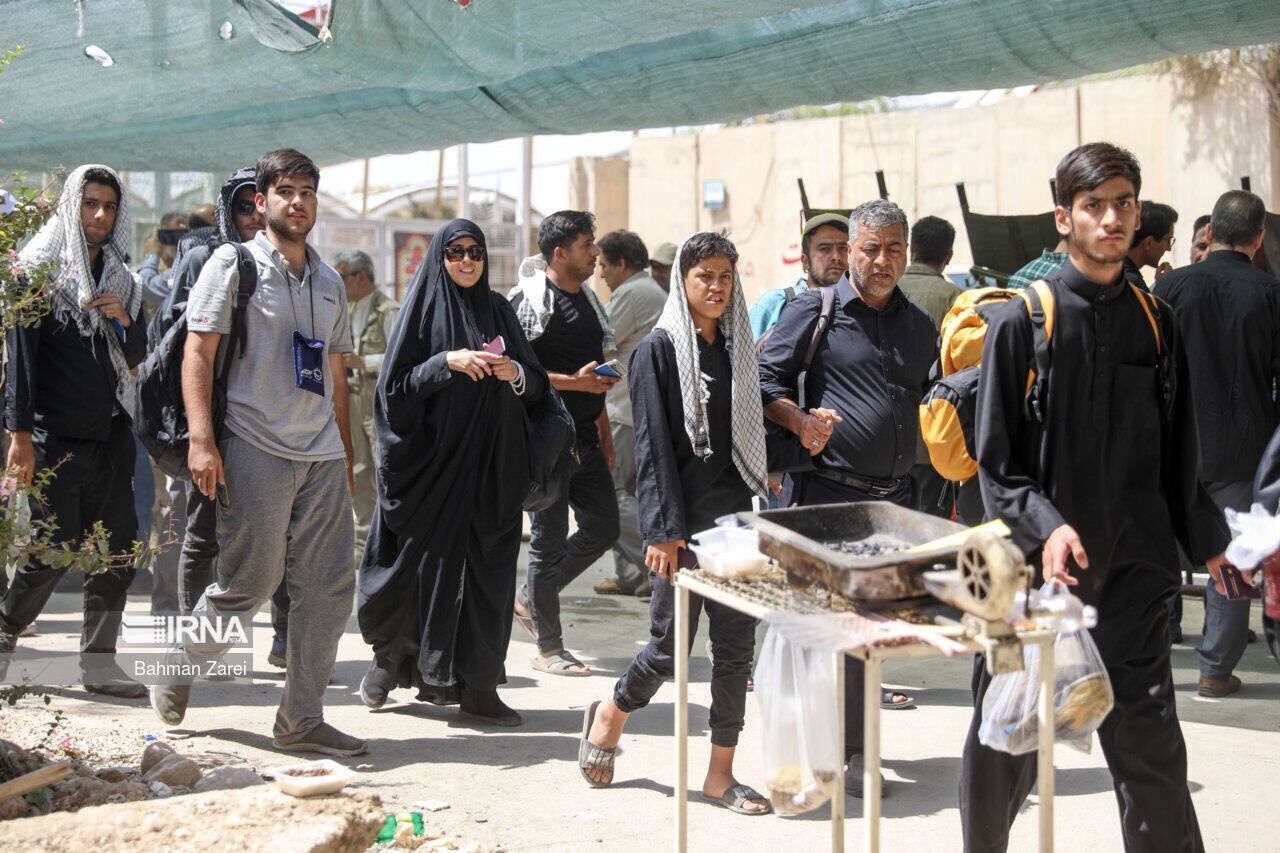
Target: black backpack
159, 414
552, 454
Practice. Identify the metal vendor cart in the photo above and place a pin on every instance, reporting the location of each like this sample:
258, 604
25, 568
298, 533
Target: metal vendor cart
816, 582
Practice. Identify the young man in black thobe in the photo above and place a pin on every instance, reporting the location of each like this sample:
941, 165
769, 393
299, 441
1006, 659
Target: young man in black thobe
1099, 494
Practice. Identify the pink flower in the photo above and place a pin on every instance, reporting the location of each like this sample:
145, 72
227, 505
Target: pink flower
16, 269
8, 485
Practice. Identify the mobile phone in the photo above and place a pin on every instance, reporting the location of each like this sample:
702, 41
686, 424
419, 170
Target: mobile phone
613, 368
170, 236
497, 346
224, 495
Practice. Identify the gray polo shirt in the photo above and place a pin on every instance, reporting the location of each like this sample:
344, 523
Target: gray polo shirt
264, 405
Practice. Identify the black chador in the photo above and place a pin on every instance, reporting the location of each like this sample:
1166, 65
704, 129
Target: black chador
438, 577
1116, 458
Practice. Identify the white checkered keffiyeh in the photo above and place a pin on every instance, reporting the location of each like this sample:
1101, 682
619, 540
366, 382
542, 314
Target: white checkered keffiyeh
748, 414
61, 240
534, 310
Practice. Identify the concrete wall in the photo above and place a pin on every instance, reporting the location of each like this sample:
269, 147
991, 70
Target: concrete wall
602, 186
1005, 154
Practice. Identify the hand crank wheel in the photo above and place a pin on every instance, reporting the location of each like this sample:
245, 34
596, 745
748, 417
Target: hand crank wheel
991, 573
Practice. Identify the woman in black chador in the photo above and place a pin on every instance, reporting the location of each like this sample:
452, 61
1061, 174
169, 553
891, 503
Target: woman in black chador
438, 578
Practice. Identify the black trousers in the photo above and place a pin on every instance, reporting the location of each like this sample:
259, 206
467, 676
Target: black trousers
812, 490
94, 482
556, 559
1141, 740
733, 636
933, 495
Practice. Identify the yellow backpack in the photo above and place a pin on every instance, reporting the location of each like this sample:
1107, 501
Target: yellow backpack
948, 413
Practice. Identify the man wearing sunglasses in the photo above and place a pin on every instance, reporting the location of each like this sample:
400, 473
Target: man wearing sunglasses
372, 316
189, 569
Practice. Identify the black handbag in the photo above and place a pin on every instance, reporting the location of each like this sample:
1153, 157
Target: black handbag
552, 436
783, 450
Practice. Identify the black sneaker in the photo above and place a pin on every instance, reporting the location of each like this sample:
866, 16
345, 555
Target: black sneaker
485, 706
324, 739
853, 779
8, 642
375, 686
277, 656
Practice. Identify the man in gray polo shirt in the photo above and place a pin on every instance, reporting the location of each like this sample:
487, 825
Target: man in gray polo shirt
279, 468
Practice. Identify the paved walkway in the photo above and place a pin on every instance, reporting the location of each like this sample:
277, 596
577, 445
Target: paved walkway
519, 789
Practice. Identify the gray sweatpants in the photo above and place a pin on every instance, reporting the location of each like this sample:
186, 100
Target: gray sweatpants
280, 505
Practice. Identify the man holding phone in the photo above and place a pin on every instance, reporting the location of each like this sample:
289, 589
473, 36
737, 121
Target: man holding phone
280, 469
571, 336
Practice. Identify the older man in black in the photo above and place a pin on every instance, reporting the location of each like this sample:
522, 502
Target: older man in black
1229, 314
866, 380
1099, 491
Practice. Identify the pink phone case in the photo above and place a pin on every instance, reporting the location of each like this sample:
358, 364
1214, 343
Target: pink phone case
497, 346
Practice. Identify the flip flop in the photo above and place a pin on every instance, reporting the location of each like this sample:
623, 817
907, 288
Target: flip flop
560, 663
887, 703
733, 798
526, 622
590, 756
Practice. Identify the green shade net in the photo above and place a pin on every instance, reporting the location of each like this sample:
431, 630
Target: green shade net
405, 75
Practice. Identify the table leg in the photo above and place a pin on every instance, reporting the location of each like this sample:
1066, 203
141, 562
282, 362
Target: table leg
837, 797
682, 718
871, 755
1044, 754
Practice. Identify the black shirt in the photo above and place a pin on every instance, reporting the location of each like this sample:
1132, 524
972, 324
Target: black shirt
872, 367
679, 494
61, 382
573, 337
1228, 311
1105, 460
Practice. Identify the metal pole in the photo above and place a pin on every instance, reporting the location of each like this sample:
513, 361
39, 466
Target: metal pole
463, 205
1044, 755
682, 718
524, 210
838, 795
871, 754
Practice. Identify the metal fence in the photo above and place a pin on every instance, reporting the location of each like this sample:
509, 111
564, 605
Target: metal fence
397, 246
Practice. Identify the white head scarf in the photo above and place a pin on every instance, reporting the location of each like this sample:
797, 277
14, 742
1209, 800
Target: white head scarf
71, 285
747, 414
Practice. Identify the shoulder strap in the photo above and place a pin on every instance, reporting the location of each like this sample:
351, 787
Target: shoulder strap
1152, 309
828, 293
247, 268
1039, 299
788, 294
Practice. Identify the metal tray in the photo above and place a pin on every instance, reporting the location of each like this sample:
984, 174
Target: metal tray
794, 537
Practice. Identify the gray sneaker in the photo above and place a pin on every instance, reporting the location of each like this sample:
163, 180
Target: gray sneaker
324, 739
853, 779
169, 701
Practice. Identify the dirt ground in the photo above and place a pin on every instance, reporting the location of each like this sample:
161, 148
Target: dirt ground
519, 789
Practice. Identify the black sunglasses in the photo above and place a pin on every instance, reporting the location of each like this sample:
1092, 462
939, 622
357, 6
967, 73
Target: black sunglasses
456, 253
243, 208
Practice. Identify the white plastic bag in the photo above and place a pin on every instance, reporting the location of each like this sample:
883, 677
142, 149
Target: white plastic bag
1256, 536
1082, 692
795, 685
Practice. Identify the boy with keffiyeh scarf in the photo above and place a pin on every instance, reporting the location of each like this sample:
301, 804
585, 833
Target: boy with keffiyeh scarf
700, 454
69, 404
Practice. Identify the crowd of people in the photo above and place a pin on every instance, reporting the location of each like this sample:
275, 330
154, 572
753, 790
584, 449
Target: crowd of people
325, 420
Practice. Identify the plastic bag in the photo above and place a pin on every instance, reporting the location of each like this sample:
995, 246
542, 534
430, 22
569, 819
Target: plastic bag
1256, 536
1082, 691
795, 685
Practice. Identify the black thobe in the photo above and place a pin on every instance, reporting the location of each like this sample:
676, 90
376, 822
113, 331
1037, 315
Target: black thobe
438, 577
1123, 472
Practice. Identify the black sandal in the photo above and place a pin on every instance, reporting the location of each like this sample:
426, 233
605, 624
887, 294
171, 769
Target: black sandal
592, 757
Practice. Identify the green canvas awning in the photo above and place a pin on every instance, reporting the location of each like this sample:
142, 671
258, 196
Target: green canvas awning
405, 75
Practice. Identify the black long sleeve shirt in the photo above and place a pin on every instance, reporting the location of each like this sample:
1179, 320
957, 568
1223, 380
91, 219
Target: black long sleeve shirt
61, 382
1228, 312
872, 367
678, 493
1105, 460
1266, 484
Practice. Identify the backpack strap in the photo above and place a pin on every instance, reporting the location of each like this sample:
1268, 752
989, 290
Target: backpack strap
819, 332
247, 269
1039, 299
1152, 310
1164, 363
